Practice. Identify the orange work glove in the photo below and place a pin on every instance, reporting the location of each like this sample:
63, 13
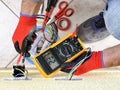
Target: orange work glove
94, 62
21, 38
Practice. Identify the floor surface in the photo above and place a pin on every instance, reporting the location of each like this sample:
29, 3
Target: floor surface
94, 80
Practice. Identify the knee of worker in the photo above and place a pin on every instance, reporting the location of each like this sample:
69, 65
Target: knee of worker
112, 17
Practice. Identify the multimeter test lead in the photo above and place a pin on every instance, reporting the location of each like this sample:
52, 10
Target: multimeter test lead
70, 75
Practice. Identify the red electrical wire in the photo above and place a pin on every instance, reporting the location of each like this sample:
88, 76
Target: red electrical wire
74, 33
19, 58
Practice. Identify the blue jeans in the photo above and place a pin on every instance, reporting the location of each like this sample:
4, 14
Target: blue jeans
112, 17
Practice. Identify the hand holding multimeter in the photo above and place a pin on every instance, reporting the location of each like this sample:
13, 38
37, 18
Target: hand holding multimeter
50, 60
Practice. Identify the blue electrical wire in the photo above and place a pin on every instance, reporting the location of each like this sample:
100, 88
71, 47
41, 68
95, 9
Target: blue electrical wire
19, 74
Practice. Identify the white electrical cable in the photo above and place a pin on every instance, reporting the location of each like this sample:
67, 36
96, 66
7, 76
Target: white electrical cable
77, 65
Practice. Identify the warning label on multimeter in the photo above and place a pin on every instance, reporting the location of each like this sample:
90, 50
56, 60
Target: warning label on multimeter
50, 60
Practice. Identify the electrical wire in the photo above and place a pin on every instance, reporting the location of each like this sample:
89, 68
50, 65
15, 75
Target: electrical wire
23, 59
78, 64
19, 58
52, 29
42, 17
23, 73
19, 74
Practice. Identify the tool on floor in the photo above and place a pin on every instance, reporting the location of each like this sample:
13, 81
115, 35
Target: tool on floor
63, 11
49, 61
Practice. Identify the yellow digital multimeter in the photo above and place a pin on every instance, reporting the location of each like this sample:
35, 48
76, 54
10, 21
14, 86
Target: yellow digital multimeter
49, 61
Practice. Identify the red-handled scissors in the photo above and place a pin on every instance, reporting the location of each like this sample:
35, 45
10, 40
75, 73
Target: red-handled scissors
63, 11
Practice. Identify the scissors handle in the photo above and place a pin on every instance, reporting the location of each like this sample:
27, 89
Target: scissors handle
68, 12
63, 5
63, 10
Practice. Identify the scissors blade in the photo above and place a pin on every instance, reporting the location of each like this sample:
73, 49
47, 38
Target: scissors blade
52, 20
42, 8
70, 2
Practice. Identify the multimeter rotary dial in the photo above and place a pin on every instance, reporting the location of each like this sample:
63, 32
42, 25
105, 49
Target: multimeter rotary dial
66, 49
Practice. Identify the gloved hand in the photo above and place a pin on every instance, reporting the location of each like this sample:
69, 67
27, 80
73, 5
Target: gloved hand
41, 43
22, 41
94, 62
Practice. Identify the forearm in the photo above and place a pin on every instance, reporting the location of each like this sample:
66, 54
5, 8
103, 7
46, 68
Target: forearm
111, 56
29, 7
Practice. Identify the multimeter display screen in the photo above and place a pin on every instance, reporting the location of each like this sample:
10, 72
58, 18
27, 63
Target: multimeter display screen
50, 59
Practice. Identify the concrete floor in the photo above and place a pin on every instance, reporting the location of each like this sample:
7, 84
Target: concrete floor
94, 80
84, 9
